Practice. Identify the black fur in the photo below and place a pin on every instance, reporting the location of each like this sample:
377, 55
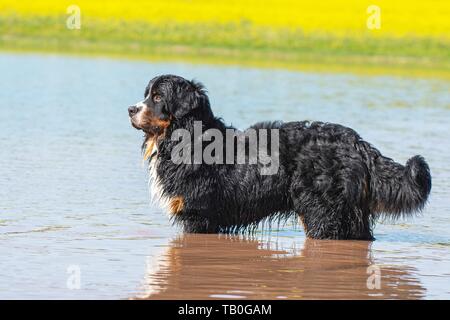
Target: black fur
335, 182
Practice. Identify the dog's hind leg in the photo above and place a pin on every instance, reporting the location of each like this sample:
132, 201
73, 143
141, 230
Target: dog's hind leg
340, 221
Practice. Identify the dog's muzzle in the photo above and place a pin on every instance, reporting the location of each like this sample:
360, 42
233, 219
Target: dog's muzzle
133, 110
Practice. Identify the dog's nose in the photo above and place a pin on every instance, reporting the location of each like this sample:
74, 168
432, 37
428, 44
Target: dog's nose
133, 110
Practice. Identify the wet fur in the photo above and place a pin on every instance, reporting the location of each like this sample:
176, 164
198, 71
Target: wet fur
336, 183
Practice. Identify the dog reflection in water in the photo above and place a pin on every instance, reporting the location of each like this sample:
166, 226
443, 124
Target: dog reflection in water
202, 266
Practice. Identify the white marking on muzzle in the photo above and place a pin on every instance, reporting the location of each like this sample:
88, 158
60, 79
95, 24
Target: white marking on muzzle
143, 107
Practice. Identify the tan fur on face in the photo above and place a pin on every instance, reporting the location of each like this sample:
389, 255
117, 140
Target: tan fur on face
176, 205
152, 140
149, 144
149, 120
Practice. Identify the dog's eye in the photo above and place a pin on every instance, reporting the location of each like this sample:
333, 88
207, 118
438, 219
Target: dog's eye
156, 98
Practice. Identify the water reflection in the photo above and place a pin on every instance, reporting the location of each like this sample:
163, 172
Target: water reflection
215, 266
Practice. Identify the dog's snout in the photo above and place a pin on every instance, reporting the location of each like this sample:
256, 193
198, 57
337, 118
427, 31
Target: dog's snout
133, 110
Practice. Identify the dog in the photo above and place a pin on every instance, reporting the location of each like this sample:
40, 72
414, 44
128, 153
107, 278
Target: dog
337, 184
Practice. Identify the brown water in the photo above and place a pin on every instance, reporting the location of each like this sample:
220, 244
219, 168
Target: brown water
221, 267
74, 193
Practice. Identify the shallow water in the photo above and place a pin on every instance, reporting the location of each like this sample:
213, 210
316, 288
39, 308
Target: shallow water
73, 190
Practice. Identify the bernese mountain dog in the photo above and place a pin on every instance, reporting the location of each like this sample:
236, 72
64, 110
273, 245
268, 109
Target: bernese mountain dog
336, 183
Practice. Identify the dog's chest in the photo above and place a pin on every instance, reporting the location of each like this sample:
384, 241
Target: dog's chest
155, 186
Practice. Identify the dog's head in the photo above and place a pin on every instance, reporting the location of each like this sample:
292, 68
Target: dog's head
168, 98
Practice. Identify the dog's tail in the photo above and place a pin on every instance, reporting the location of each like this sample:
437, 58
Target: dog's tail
400, 190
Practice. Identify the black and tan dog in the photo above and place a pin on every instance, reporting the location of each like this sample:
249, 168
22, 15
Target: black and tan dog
335, 182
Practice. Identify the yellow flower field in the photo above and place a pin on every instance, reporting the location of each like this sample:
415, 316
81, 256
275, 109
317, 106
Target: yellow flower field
421, 18
412, 33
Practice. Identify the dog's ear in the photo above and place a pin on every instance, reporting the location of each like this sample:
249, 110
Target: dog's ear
187, 97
